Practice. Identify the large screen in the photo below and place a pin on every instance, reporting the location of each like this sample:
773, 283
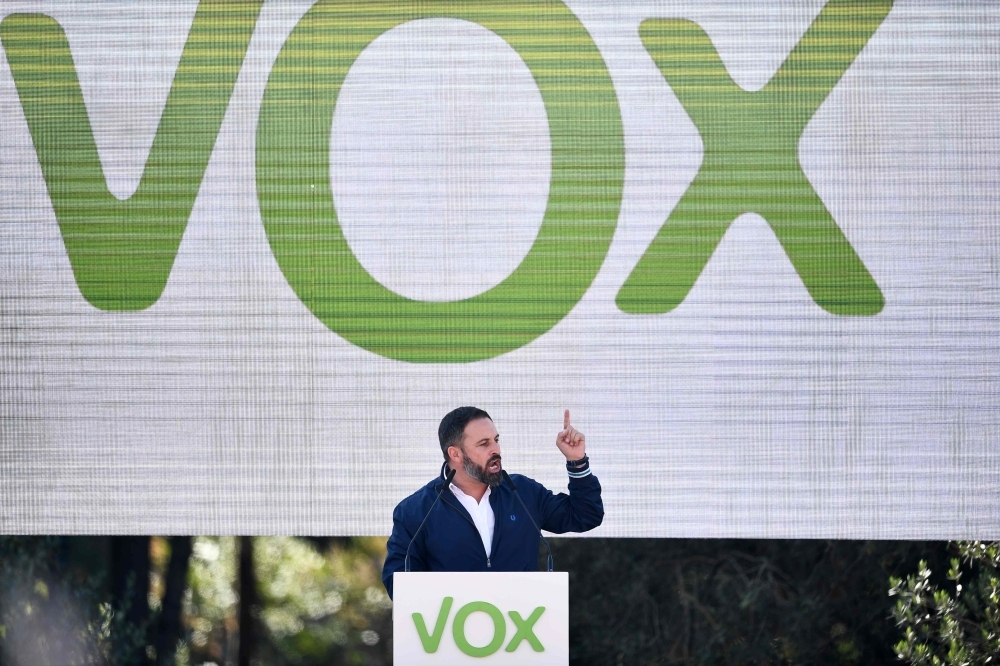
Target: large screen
252, 252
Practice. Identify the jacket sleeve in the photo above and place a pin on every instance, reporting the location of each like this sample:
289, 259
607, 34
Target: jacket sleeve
580, 511
396, 550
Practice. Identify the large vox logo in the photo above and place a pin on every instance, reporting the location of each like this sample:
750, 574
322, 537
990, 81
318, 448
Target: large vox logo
122, 252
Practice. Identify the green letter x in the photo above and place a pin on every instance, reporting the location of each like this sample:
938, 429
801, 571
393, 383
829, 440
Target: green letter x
526, 630
751, 162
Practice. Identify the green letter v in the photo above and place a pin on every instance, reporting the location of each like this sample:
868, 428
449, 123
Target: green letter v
122, 251
751, 162
432, 641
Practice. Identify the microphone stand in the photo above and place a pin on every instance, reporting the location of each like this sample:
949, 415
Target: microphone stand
447, 482
510, 484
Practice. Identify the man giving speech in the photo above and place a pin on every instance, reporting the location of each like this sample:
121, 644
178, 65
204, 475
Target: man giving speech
478, 524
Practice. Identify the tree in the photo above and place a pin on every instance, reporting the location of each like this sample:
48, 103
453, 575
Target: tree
55, 612
169, 630
130, 586
317, 601
946, 622
249, 604
728, 601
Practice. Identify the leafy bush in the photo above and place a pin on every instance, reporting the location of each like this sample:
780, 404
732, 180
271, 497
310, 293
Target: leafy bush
948, 622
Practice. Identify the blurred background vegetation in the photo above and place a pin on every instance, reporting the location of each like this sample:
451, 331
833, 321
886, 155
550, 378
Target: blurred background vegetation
186, 601
240, 601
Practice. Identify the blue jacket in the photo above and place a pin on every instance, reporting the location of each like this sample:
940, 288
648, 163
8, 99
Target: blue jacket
451, 542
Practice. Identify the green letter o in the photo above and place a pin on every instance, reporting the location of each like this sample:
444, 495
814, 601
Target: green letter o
499, 628
296, 203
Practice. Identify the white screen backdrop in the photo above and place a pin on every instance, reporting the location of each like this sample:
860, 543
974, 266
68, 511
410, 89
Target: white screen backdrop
747, 411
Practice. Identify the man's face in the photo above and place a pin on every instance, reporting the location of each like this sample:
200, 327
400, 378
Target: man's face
480, 452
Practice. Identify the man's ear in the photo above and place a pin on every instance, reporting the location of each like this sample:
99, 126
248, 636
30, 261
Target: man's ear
454, 454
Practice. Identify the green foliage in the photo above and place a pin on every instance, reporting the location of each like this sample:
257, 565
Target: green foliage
323, 607
210, 604
54, 614
633, 601
713, 601
316, 606
946, 622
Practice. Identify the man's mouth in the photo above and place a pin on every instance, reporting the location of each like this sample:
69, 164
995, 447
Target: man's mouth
493, 466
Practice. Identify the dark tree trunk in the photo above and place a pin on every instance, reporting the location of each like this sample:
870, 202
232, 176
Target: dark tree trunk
130, 580
249, 603
169, 629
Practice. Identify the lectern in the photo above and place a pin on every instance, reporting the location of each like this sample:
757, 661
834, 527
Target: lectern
480, 618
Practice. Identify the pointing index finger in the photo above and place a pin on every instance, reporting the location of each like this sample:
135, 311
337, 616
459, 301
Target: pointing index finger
566, 420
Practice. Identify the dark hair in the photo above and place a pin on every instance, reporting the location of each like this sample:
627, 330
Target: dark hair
452, 428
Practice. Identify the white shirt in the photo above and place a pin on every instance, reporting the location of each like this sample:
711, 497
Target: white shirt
482, 514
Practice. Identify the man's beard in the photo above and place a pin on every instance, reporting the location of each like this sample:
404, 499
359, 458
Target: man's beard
479, 473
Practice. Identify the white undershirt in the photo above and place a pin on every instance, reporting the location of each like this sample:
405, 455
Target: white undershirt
482, 514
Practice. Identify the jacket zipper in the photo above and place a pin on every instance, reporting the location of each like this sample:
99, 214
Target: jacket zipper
488, 564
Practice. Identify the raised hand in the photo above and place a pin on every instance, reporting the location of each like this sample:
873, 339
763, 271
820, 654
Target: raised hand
571, 441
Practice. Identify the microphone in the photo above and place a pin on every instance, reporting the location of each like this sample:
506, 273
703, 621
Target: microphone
510, 484
447, 482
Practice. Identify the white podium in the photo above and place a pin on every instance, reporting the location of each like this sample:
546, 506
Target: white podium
480, 618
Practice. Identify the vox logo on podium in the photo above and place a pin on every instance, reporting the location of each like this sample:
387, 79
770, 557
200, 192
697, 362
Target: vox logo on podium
122, 252
524, 628
511, 618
